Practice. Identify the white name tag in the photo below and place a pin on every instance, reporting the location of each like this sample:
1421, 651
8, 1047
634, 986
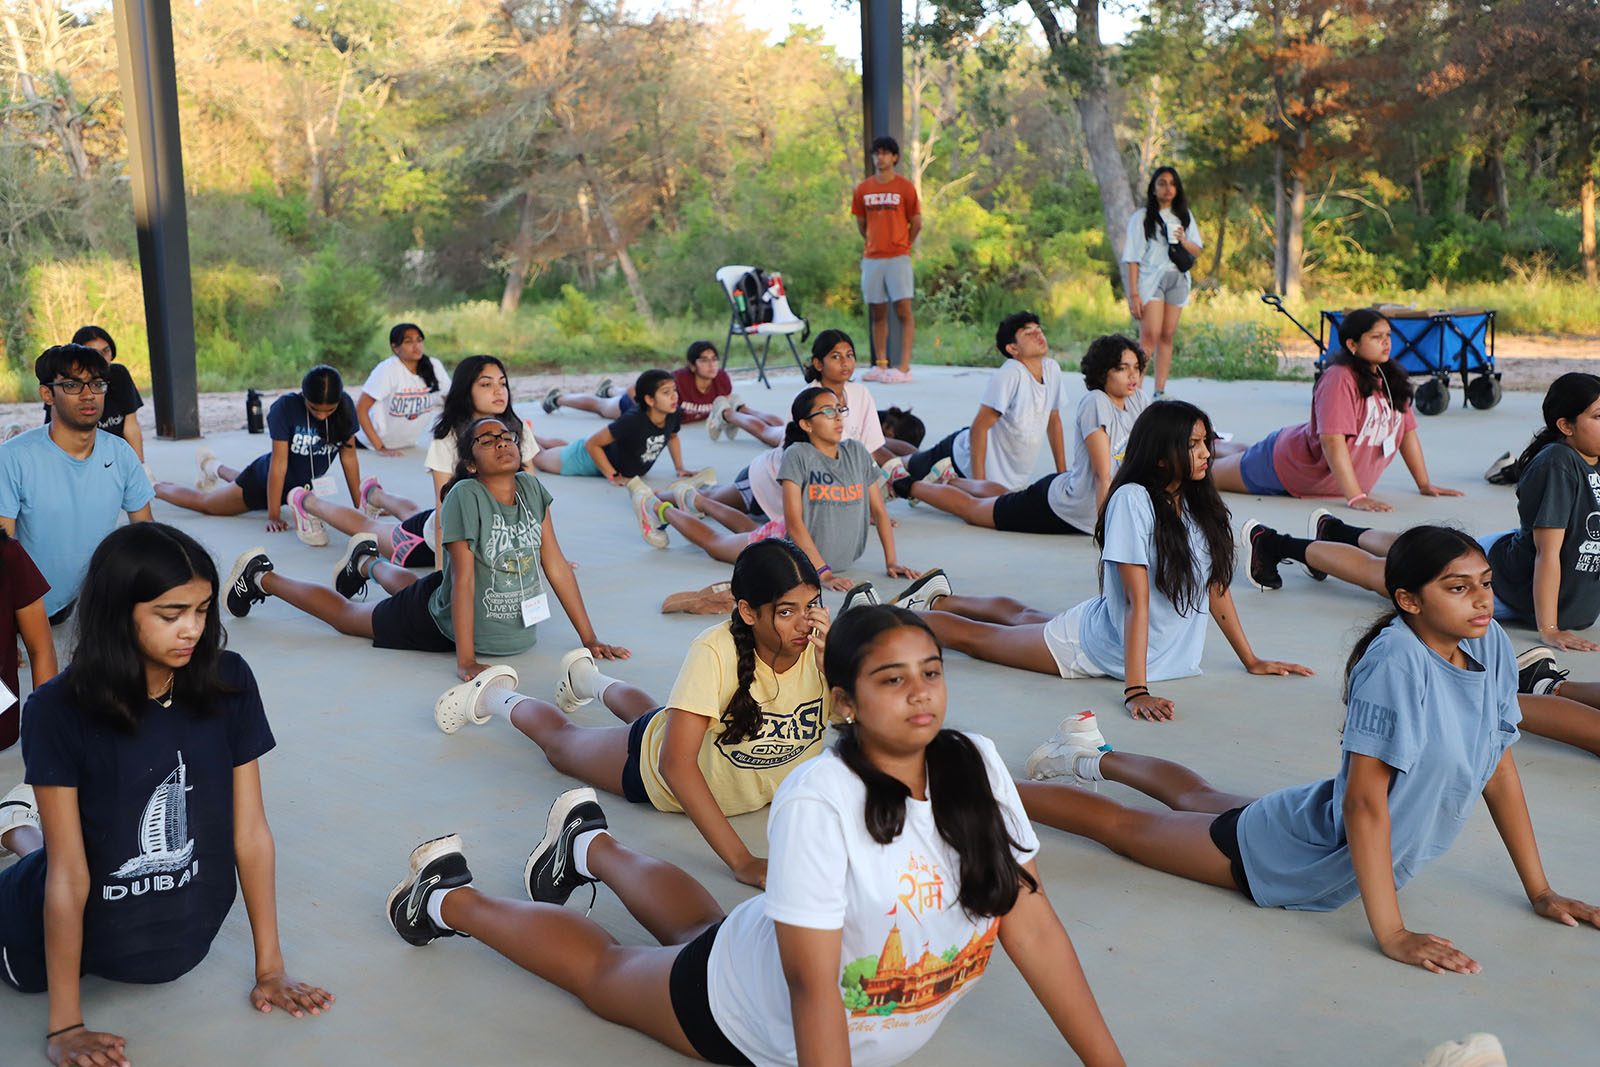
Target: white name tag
7, 697
1390, 443
327, 486
535, 609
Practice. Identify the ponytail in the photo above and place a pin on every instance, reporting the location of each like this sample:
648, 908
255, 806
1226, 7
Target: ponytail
794, 433
425, 371
1361, 646
1568, 397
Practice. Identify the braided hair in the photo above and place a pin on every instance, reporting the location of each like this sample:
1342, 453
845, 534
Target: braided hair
762, 574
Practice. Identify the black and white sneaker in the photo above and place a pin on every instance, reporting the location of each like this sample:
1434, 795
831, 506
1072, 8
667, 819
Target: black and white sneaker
1314, 526
1262, 569
347, 576
435, 865
550, 873
606, 389
859, 596
551, 401
244, 582
1502, 471
924, 593
1537, 673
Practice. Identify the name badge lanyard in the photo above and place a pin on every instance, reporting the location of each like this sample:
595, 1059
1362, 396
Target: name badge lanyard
1390, 444
535, 609
322, 485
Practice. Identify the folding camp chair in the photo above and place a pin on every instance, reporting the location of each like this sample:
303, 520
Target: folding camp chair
729, 277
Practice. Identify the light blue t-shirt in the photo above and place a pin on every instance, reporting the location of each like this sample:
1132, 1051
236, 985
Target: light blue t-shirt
1176, 641
64, 507
1443, 729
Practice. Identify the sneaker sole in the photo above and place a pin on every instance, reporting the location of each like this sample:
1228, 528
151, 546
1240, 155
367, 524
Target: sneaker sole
1245, 539
1311, 534
237, 572
426, 853
559, 809
914, 590
350, 550
1534, 655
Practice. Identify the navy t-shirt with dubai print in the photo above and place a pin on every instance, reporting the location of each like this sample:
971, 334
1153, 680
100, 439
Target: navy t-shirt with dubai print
156, 806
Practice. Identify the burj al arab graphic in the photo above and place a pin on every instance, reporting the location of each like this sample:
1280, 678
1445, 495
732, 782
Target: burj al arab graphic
164, 842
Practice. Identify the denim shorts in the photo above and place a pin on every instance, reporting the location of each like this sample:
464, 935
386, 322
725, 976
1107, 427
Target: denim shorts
1256, 470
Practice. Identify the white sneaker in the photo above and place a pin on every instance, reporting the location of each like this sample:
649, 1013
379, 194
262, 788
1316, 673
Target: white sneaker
567, 698
1078, 736
371, 509
683, 499
644, 513
941, 473
717, 424
698, 480
206, 460
921, 594
307, 526
458, 705
860, 595
17, 808
1477, 1050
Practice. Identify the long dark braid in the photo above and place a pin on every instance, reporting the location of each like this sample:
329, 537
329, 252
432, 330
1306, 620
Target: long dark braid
762, 574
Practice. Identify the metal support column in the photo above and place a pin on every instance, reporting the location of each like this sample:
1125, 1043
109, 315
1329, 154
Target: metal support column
882, 102
155, 162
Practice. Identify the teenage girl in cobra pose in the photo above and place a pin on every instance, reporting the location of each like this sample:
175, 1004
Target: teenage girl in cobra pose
1432, 695
788, 977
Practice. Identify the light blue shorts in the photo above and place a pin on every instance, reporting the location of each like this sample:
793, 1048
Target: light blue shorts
883, 281
576, 461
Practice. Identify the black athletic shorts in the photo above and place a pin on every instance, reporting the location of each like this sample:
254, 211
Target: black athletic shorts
633, 790
1225, 835
691, 1002
252, 482
920, 463
411, 548
1029, 511
404, 621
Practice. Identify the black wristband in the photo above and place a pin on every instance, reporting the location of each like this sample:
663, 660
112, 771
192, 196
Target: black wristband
52, 1035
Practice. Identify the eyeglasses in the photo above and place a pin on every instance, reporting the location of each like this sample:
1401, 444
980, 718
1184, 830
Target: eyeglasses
494, 437
72, 386
831, 412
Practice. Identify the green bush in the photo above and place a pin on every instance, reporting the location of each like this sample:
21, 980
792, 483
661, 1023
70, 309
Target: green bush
1226, 351
340, 300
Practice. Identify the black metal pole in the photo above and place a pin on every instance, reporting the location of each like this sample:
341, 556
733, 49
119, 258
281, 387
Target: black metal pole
882, 102
155, 163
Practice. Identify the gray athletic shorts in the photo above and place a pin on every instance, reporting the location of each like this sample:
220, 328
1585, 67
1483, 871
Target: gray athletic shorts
1170, 286
883, 281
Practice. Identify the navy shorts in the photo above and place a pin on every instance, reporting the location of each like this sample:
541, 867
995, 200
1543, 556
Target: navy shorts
633, 790
404, 621
920, 463
691, 1001
1225, 835
1256, 470
626, 403
1029, 511
252, 482
22, 924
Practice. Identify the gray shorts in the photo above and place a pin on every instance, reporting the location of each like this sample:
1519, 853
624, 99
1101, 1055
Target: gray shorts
883, 281
1171, 286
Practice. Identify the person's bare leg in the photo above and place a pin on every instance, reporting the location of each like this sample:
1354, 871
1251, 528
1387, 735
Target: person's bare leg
893, 446
733, 518
1177, 842
1567, 717
21, 840
759, 428
1169, 331
625, 985
1348, 564
348, 520
908, 331
592, 754
724, 548
973, 511
1377, 541
548, 462
1173, 784
880, 332
997, 609
223, 500
1021, 646
1150, 340
1226, 448
1225, 473
726, 495
391, 577
320, 602
1583, 692
607, 407
392, 503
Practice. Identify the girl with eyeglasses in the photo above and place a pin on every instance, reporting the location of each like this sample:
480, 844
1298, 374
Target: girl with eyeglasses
487, 598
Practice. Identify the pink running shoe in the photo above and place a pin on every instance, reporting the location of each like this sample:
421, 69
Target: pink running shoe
307, 526
372, 510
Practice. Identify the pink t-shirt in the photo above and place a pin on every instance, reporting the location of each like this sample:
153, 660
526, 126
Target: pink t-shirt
1372, 432
693, 405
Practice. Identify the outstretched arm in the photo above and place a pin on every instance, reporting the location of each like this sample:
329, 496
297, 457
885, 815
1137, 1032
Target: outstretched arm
1411, 452
810, 960
880, 519
1143, 704
1058, 441
680, 769
1038, 944
1227, 616
1508, 806
255, 857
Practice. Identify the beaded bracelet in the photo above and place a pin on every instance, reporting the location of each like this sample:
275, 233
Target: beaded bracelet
52, 1035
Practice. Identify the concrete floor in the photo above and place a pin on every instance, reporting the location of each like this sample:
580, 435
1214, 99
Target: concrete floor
1184, 973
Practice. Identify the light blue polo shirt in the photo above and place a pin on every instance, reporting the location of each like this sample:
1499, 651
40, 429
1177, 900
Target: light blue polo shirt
1443, 729
64, 507
1176, 640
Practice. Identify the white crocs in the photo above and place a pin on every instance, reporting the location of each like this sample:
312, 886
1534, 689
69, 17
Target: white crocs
458, 705
567, 698
17, 808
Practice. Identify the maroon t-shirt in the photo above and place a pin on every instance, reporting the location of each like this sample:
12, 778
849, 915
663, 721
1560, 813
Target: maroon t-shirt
693, 405
20, 585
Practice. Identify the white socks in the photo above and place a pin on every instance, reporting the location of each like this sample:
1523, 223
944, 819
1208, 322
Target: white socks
436, 902
499, 699
580, 851
587, 681
1086, 765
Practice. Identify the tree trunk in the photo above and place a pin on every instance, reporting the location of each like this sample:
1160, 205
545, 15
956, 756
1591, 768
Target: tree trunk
521, 254
1294, 245
1222, 233
313, 172
1460, 178
1497, 169
1093, 100
1586, 236
1280, 222
58, 113
624, 260
1418, 190
586, 257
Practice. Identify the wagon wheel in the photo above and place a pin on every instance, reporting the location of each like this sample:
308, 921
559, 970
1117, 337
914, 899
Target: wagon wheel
1433, 396
1483, 392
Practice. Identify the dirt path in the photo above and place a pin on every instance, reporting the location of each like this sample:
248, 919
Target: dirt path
1527, 364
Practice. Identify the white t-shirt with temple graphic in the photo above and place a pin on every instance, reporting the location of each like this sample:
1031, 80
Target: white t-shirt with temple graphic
908, 950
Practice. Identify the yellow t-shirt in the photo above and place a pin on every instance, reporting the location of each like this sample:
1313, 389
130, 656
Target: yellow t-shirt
796, 709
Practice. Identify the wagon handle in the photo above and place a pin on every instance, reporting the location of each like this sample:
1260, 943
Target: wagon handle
1272, 300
